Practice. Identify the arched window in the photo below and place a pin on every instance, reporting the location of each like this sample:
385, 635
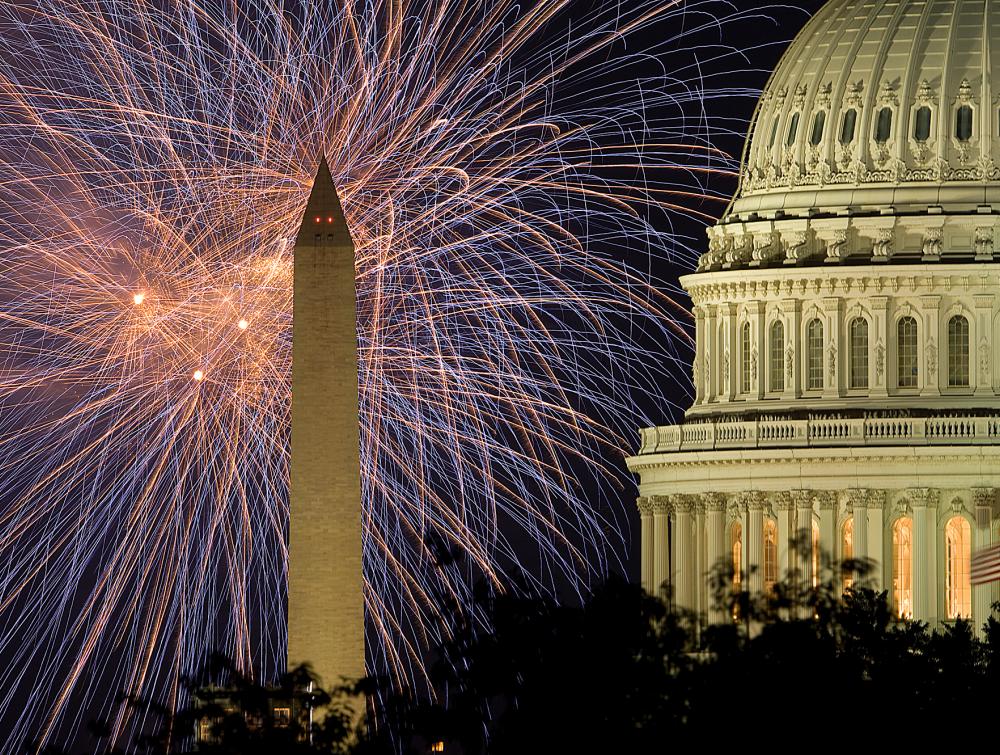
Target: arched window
815, 554
963, 123
847, 550
819, 124
745, 358
906, 353
792, 128
958, 352
774, 132
777, 366
958, 588
902, 567
770, 554
883, 125
859, 352
814, 355
848, 127
922, 124
736, 551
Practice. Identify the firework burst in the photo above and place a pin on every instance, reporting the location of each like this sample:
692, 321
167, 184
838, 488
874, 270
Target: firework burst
155, 160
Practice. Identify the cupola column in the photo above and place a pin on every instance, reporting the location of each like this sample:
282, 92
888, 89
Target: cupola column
661, 542
982, 595
755, 542
684, 561
859, 507
924, 554
717, 550
646, 521
875, 502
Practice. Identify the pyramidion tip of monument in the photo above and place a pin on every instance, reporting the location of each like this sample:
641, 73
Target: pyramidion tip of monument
324, 218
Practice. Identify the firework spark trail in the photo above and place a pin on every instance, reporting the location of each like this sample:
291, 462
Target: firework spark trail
155, 159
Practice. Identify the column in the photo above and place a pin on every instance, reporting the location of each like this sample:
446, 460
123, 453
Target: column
757, 325
661, 543
982, 500
697, 366
684, 561
710, 353
879, 359
793, 326
803, 535
646, 552
833, 383
875, 502
924, 502
717, 547
981, 369
784, 508
930, 344
726, 349
827, 526
754, 543
862, 548
700, 576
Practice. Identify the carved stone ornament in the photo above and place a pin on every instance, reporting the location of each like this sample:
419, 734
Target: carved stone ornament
931, 243
645, 506
925, 94
832, 362
789, 365
725, 367
836, 245
882, 246
799, 100
887, 96
853, 96
932, 359
714, 501
984, 243
879, 362
795, 245
984, 361
823, 97
753, 363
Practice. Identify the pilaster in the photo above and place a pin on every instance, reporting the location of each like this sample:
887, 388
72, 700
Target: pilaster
931, 378
982, 537
833, 383
879, 361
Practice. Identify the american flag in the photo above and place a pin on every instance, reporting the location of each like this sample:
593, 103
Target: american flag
986, 565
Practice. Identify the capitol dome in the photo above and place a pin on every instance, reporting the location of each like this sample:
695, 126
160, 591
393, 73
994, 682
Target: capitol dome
847, 310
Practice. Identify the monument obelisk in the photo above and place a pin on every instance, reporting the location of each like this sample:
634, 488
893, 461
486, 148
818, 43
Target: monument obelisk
325, 585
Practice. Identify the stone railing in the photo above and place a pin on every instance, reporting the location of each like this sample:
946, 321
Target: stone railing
819, 432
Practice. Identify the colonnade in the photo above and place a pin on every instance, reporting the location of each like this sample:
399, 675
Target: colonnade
685, 535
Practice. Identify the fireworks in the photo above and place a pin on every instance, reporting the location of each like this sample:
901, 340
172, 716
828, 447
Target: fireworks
155, 159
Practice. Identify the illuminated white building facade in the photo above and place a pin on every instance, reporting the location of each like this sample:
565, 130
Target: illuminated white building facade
847, 380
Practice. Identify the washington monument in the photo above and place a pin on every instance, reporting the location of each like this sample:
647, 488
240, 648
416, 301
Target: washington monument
325, 584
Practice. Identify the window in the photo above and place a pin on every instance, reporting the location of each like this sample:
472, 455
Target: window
859, 352
745, 357
902, 567
282, 717
963, 123
792, 128
774, 132
922, 124
777, 367
958, 352
958, 588
906, 352
847, 550
819, 124
883, 125
848, 126
770, 554
814, 355
736, 549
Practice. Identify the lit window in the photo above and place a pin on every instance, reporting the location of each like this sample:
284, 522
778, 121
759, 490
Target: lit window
792, 128
922, 124
814, 355
963, 123
770, 554
848, 127
958, 588
282, 717
906, 352
847, 549
777, 370
883, 125
819, 124
745, 357
859, 353
902, 567
958, 352
437, 747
